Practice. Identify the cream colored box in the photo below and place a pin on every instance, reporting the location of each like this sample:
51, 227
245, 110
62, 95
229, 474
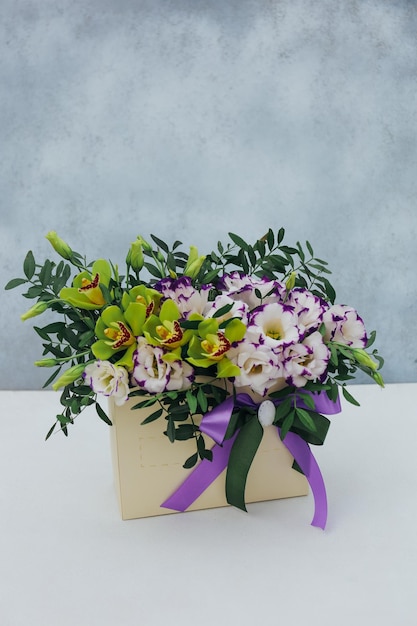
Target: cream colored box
148, 467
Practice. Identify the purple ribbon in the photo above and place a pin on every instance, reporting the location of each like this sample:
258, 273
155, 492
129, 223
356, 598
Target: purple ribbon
215, 425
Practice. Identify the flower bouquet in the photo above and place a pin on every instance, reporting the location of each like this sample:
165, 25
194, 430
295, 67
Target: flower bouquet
218, 347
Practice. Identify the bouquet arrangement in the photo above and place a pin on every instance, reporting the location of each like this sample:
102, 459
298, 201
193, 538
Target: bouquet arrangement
190, 332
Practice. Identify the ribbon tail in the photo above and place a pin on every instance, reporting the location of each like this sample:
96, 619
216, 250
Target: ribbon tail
302, 454
200, 478
241, 456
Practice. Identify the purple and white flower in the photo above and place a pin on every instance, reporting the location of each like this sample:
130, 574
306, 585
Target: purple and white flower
259, 365
152, 373
108, 379
243, 287
239, 309
306, 361
343, 325
308, 307
278, 325
186, 297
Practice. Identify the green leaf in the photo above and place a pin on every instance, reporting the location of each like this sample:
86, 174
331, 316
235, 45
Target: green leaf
307, 400
286, 425
280, 235
171, 429
50, 431
15, 282
144, 403
46, 273
309, 248
270, 239
210, 276
152, 417
202, 400
282, 409
370, 341
153, 270
349, 397
243, 261
241, 456
223, 310
102, 415
185, 431
300, 252
252, 255
239, 241
191, 461
160, 243
306, 419
191, 401
29, 265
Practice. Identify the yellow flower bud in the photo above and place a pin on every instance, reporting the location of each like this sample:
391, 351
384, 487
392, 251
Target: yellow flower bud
378, 379
68, 377
36, 309
145, 245
363, 358
291, 281
59, 245
46, 363
194, 263
135, 256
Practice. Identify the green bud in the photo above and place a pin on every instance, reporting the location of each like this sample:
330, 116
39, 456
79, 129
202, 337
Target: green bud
36, 309
135, 256
46, 363
145, 245
363, 358
68, 377
291, 281
194, 263
59, 245
378, 379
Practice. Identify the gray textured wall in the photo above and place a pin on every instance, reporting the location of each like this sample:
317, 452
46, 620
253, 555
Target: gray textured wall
189, 119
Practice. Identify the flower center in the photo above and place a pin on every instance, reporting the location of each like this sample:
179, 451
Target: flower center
170, 332
275, 332
119, 335
215, 346
149, 307
91, 289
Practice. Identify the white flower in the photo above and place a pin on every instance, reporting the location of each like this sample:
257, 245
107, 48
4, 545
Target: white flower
188, 299
155, 375
308, 307
344, 325
108, 379
259, 366
242, 287
306, 361
239, 309
278, 323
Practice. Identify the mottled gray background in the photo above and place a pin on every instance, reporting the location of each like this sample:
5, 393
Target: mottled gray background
189, 119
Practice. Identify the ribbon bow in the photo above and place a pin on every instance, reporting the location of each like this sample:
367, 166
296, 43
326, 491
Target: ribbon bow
237, 453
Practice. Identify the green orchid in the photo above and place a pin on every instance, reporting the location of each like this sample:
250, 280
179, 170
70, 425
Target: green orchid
210, 345
86, 292
117, 331
165, 330
146, 296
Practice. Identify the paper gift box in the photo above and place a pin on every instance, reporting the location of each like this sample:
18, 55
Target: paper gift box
148, 468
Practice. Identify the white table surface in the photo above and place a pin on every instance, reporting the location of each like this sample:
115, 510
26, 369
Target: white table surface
67, 559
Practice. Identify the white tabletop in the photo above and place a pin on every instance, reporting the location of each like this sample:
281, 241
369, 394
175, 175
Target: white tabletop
67, 559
